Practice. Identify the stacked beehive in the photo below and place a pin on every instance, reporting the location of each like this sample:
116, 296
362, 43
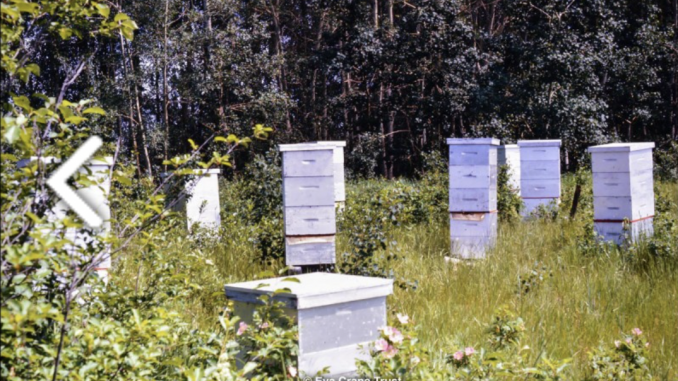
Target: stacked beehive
539, 173
510, 155
622, 190
308, 201
338, 158
473, 195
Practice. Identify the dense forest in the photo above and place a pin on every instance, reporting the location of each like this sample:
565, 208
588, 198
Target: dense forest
393, 78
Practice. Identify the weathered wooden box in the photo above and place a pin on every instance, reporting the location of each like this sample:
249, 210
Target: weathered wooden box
539, 172
303, 251
310, 220
473, 224
473, 174
478, 151
623, 189
307, 160
336, 315
618, 231
471, 247
540, 188
472, 199
471, 234
338, 164
510, 155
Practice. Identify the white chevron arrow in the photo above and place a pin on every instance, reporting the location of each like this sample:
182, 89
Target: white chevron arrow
58, 182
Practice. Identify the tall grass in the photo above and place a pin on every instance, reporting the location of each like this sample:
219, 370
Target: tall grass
582, 301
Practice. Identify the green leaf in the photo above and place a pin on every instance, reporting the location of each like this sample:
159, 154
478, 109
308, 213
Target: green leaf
22, 102
103, 9
94, 110
120, 17
75, 119
65, 33
12, 133
193, 145
33, 68
25, 7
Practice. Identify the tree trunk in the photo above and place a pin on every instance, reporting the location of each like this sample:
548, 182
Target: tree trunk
165, 95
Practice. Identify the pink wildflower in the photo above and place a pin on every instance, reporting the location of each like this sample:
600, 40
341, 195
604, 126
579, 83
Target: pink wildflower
393, 334
242, 328
402, 318
636, 331
292, 371
396, 337
263, 325
628, 341
458, 355
469, 351
617, 343
381, 345
390, 352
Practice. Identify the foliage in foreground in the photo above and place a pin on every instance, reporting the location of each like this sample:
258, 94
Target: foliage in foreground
398, 354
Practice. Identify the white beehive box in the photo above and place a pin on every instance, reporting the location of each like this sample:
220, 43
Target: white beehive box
303, 251
473, 174
623, 189
203, 205
338, 164
471, 234
309, 202
539, 172
618, 232
510, 155
200, 197
336, 315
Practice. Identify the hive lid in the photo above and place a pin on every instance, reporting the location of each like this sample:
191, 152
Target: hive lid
509, 146
303, 147
335, 143
470, 141
312, 290
621, 147
539, 143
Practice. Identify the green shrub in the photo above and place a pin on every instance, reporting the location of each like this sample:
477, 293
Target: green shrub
509, 203
625, 360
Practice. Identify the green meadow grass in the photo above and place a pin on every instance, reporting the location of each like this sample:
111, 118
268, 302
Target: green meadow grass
582, 302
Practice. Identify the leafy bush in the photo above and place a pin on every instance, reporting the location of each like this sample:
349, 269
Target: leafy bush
625, 360
509, 203
506, 330
271, 345
396, 354
434, 187
666, 162
399, 354
255, 200
530, 281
